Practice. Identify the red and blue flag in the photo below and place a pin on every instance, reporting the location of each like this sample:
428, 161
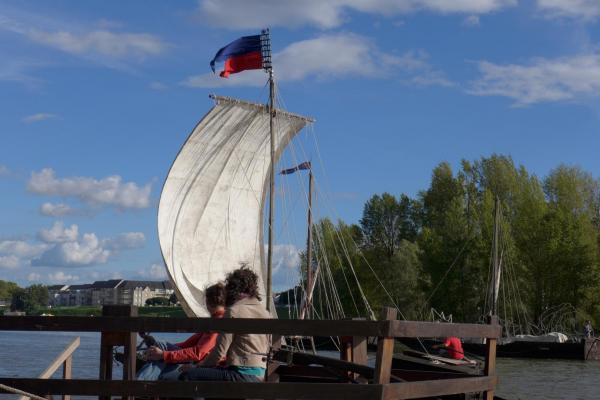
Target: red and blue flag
304, 165
240, 55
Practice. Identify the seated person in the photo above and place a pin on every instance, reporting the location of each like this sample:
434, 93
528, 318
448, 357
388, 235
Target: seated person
244, 354
164, 358
453, 348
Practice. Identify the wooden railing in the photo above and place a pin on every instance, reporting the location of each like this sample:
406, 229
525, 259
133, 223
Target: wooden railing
64, 359
120, 330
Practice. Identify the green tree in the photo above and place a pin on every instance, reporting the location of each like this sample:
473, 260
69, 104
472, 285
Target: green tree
29, 299
6, 289
386, 221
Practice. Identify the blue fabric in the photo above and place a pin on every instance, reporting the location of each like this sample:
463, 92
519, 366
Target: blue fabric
218, 374
256, 371
304, 165
243, 45
154, 370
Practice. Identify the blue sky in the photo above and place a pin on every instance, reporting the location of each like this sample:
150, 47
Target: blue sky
97, 98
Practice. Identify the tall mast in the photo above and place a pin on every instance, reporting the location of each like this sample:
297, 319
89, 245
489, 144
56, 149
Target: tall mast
496, 260
310, 287
267, 66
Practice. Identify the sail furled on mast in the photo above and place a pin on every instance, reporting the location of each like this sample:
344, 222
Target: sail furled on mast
210, 215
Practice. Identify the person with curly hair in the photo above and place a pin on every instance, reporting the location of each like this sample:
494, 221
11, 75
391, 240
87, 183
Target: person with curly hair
165, 358
244, 355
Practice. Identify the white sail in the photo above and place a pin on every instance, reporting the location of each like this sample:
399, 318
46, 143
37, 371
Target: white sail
210, 215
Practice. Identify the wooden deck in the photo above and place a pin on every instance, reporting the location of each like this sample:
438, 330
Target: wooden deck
378, 382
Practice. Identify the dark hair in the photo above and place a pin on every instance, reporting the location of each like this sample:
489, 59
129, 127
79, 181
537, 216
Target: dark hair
242, 281
215, 295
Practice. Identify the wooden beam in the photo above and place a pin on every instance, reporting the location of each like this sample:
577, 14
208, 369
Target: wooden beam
439, 387
385, 350
224, 390
60, 359
309, 359
437, 329
230, 325
490, 359
68, 373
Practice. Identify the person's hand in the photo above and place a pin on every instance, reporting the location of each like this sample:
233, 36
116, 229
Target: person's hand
154, 353
435, 346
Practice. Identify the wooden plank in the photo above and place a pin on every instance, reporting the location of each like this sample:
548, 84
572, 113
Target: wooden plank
385, 350
224, 390
436, 329
440, 387
161, 324
359, 350
490, 359
60, 359
68, 373
308, 359
249, 325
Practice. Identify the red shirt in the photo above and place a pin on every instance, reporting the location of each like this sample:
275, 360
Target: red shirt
194, 349
454, 348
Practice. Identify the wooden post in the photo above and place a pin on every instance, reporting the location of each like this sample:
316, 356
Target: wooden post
385, 350
490, 357
67, 373
111, 338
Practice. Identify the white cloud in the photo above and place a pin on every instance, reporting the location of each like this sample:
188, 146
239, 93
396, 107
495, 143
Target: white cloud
126, 241
584, 9
16, 253
101, 42
9, 262
55, 210
63, 247
471, 21
286, 266
59, 234
34, 277
246, 14
4, 171
104, 192
542, 80
60, 277
83, 42
79, 253
21, 249
38, 117
334, 56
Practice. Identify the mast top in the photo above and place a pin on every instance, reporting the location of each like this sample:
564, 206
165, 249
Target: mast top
265, 44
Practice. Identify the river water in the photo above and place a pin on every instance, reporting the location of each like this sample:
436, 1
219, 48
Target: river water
26, 354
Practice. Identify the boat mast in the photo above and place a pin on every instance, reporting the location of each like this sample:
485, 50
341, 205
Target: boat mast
267, 66
310, 287
496, 260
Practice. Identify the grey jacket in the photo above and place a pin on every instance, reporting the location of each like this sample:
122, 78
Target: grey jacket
242, 350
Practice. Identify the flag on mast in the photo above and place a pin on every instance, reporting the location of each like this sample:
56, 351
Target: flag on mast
242, 54
304, 165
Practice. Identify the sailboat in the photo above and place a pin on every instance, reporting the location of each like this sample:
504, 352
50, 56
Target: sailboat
210, 215
212, 206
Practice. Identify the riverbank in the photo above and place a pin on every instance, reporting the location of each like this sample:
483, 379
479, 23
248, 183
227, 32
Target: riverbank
90, 311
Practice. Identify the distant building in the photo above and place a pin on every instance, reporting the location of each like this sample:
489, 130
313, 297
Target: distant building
110, 292
137, 292
105, 292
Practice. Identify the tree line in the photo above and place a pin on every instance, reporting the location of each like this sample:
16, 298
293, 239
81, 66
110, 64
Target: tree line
26, 299
434, 250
